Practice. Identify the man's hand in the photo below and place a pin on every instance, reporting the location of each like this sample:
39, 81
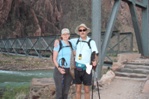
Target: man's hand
94, 63
56, 43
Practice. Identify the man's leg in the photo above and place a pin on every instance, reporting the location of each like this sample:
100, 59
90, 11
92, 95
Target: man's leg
78, 91
87, 92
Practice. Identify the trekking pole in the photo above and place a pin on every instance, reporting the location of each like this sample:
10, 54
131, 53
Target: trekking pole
93, 85
92, 59
92, 88
95, 74
97, 85
62, 63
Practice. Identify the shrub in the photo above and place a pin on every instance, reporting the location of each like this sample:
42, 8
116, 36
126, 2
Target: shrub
16, 92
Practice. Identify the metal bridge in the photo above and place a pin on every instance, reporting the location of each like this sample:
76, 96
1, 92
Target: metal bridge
42, 46
141, 33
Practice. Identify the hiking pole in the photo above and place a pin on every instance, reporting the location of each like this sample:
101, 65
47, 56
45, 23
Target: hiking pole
92, 59
97, 84
93, 55
92, 85
62, 63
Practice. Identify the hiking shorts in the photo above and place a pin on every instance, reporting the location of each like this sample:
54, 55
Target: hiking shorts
82, 77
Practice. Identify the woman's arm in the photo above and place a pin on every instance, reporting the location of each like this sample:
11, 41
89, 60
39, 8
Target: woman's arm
55, 55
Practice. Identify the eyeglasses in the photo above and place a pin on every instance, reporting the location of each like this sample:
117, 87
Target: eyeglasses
82, 30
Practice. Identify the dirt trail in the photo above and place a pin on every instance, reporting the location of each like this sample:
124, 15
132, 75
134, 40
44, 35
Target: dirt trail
123, 89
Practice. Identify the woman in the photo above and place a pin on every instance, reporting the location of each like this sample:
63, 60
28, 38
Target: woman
61, 58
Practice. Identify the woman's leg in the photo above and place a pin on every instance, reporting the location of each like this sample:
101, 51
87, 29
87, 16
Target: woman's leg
58, 83
67, 84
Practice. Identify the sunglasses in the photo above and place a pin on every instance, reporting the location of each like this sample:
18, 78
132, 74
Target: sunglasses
82, 30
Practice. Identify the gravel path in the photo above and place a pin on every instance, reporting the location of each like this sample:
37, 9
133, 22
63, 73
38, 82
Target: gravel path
122, 89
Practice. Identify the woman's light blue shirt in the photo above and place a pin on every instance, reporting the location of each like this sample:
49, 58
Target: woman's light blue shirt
65, 53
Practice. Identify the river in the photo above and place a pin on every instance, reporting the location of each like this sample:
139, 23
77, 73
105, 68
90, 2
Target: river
16, 78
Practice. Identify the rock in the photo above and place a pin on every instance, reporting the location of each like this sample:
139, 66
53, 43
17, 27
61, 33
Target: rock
44, 88
116, 66
146, 87
107, 78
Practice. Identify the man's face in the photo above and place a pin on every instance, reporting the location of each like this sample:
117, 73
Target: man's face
82, 32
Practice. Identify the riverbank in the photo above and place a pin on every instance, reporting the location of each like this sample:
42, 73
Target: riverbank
17, 72
13, 62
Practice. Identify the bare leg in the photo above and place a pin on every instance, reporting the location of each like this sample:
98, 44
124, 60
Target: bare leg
87, 92
78, 91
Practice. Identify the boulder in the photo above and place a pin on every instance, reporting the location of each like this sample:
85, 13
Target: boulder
107, 78
146, 87
44, 88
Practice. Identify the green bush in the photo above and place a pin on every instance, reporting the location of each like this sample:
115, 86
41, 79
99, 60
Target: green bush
15, 92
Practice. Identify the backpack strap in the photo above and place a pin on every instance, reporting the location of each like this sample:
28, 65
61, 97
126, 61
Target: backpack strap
89, 43
85, 42
61, 45
77, 42
70, 45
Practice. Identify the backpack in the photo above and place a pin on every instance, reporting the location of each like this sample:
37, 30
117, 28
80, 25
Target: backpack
88, 42
61, 45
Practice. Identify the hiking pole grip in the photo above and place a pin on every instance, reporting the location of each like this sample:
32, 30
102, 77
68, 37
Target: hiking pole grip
93, 57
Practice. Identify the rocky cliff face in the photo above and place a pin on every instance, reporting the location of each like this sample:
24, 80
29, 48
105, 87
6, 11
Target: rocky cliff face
29, 17
20, 18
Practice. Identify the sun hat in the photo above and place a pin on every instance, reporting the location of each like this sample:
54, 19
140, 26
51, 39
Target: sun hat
65, 31
82, 25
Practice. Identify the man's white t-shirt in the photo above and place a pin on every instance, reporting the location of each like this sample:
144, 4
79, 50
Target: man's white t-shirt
83, 48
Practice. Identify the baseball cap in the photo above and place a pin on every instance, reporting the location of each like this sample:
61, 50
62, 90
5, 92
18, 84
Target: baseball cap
65, 31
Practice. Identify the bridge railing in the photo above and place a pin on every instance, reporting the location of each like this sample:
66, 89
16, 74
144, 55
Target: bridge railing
29, 46
42, 46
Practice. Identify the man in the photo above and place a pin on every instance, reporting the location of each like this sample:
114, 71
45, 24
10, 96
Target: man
84, 47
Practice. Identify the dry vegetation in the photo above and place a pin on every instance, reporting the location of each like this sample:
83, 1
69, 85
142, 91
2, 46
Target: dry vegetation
10, 62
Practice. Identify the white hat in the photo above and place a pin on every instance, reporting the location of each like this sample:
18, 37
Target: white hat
65, 31
82, 25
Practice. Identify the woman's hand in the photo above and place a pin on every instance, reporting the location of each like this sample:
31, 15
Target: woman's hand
61, 70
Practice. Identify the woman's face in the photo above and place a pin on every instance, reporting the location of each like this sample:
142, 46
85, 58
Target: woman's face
83, 32
65, 36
